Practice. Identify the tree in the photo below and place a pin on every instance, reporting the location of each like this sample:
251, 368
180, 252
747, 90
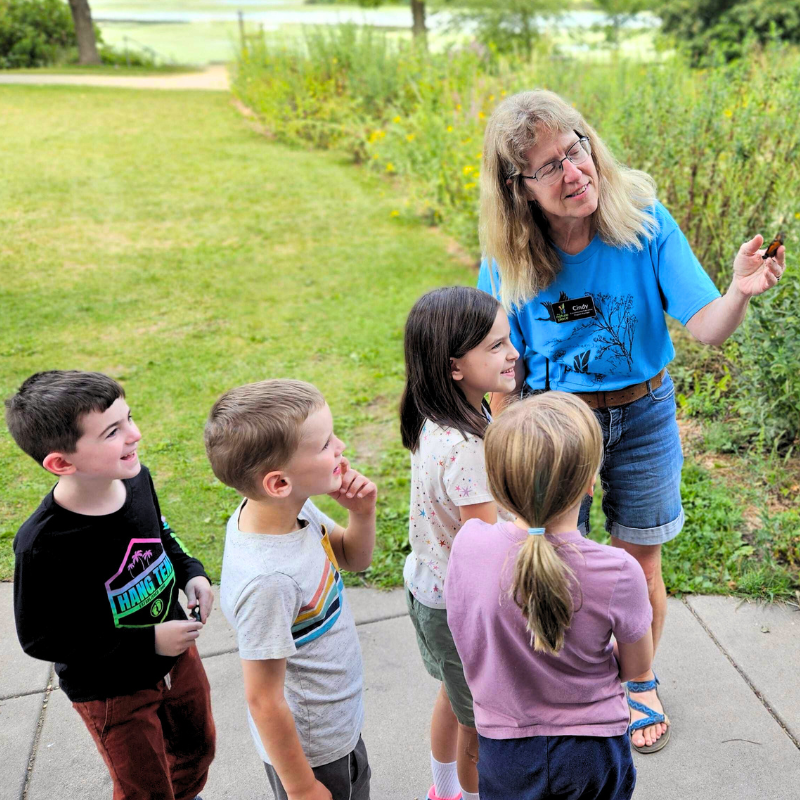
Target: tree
84, 32
503, 25
418, 28
619, 13
418, 19
705, 28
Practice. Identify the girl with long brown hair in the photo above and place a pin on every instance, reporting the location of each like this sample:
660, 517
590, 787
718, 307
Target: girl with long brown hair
457, 350
532, 606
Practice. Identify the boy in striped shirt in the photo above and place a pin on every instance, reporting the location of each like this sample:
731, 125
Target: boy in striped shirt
281, 587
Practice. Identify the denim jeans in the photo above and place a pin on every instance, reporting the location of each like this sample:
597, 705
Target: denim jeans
641, 470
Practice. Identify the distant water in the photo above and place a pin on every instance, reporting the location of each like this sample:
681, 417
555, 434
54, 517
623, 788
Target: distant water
332, 15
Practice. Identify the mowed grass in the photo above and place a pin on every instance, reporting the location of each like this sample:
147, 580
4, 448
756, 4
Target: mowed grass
157, 238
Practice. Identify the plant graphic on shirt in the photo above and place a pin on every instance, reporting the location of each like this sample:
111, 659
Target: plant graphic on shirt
140, 557
614, 326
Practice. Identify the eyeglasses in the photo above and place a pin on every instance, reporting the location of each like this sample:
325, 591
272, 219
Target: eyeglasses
551, 172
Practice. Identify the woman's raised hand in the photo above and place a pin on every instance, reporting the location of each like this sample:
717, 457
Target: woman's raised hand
753, 275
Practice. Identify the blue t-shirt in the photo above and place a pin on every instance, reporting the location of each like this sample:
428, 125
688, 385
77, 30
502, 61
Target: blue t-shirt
601, 323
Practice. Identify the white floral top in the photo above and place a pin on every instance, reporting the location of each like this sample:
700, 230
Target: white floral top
447, 471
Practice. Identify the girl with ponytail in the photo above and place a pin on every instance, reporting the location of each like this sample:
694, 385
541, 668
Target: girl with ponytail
533, 606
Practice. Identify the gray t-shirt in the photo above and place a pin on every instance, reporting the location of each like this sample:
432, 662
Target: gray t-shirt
285, 598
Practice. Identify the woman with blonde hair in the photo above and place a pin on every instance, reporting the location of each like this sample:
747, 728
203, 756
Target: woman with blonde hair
586, 261
532, 607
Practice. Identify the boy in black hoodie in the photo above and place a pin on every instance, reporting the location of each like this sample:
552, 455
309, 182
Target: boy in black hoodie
96, 582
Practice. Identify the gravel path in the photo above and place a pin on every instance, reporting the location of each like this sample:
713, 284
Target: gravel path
214, 78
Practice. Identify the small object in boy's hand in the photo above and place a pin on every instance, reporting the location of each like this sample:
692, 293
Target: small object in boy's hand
195, 612
772, 249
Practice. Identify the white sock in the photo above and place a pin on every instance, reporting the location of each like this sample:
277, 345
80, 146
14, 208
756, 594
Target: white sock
445, 778
469, 795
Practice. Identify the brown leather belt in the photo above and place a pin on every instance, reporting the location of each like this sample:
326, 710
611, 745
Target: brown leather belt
621, 397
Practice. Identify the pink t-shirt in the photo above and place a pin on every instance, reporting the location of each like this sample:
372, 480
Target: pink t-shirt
518, 692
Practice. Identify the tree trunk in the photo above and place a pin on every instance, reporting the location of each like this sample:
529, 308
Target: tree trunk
84, 31
418, 15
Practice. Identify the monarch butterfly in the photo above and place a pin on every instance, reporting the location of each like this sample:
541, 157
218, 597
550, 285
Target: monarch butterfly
772, 249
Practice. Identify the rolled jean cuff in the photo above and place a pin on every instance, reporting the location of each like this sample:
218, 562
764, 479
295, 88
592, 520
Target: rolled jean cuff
658, 535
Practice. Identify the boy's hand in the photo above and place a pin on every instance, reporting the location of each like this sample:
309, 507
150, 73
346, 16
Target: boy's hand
199, 592
176, 637
316, 792
357, 494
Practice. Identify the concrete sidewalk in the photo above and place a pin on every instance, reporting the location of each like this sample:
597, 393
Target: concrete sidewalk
729, 676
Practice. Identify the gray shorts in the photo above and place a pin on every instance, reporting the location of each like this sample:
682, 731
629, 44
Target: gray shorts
347, 778
439, 654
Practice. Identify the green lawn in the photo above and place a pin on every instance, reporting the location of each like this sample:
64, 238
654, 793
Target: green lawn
156, 237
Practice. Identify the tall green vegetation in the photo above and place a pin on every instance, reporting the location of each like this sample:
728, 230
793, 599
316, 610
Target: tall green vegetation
722, 144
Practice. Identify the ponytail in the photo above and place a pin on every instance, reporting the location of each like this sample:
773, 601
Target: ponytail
541, 455
542, 590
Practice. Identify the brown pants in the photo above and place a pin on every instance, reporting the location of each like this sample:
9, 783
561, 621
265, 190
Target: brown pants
157, 743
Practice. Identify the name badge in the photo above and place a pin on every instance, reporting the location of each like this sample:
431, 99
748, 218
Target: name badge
573, 310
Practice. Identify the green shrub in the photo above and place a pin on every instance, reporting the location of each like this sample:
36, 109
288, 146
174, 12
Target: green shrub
714, 29
122, 58
765, 353
34, 33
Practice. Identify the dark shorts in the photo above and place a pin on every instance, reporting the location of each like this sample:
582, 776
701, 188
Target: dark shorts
566, 767
439, 654
347, 778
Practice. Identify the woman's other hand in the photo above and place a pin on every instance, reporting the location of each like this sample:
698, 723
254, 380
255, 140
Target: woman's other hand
753, 275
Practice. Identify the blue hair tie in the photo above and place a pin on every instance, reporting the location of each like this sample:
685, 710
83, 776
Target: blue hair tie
535, 531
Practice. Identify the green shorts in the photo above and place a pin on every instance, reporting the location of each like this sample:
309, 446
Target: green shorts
440, 656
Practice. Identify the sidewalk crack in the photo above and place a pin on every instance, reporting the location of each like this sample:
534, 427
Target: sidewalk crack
763, 700
38, 735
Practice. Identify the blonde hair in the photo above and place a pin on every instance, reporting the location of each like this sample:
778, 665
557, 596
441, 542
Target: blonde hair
513, 230
541, 454
255, 429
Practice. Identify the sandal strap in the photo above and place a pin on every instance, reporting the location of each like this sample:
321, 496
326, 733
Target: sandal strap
652, 718
642, 686
645, 723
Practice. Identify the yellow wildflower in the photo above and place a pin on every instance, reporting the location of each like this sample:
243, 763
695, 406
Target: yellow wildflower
449, 128
389, 167
335, 60
395, 214
410, 137
468, 168
481, 115
503, 93
470, 185
797, 215
458, 107
396, 119
479, 156
374, 156
728, 113
491, 97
